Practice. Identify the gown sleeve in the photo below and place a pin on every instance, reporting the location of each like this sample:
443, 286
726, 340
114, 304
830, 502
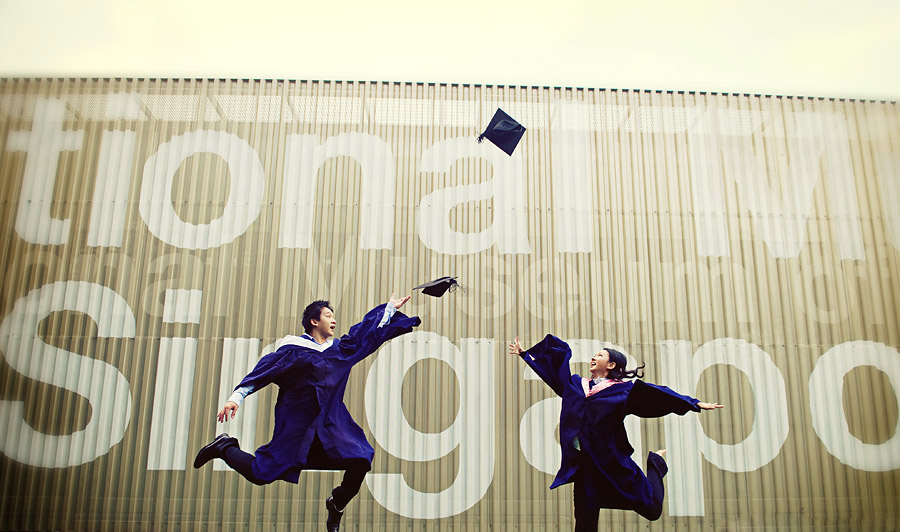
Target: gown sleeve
550, 360
269, 368
368, 335
651, 400
240, 393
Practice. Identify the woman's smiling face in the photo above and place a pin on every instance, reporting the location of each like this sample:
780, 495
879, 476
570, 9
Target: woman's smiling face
601, 364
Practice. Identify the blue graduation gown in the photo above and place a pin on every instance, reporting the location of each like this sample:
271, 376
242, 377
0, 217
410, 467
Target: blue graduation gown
311, 398
611, 478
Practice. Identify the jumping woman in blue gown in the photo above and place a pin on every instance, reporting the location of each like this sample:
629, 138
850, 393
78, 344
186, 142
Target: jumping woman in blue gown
596, 454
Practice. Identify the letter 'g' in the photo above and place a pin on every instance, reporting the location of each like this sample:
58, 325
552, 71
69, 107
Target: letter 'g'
472, 431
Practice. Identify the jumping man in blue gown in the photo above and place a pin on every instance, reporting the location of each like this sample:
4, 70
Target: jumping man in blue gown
313, 429
596, 454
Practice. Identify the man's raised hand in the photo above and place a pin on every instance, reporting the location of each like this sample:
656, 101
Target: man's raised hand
398, 302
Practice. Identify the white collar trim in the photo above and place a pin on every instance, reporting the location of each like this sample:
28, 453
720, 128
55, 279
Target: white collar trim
305, 341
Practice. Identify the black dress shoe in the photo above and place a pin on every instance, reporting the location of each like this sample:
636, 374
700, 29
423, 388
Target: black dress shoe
215, 449
333, 524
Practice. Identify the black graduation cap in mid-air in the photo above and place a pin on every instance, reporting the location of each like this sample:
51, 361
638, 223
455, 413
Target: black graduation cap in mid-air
503, 131
438, 287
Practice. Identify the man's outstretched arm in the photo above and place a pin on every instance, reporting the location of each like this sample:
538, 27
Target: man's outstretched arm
378, 326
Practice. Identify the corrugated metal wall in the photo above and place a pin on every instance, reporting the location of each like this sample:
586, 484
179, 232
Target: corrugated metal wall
158, 236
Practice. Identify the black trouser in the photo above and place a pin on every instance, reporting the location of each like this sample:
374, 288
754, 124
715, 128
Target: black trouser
354, 470
587, 514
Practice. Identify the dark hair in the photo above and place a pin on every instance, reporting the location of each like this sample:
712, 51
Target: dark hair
313, 311
619, 372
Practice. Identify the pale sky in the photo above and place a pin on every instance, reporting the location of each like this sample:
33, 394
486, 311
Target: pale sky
827, 48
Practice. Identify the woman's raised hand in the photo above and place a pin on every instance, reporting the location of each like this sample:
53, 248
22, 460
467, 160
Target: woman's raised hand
515, 348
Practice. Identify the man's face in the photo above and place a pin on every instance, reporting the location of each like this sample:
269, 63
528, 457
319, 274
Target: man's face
326, 323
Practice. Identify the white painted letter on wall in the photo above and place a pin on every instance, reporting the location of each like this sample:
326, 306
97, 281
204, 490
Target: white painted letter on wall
684, 434
244, 197
43, 143
472, 432
826, 392
506, 188
100, 383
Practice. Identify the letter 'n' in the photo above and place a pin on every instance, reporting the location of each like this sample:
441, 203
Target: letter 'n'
305, 155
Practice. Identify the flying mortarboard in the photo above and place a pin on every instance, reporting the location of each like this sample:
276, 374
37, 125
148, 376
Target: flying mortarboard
503, 131
438, 287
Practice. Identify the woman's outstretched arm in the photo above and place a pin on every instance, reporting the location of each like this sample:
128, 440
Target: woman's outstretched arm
549, 359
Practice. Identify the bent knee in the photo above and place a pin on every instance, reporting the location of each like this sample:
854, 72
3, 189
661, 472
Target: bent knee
363, 466
652, 514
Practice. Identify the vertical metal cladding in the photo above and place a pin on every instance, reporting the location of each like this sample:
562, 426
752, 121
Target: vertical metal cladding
158, 236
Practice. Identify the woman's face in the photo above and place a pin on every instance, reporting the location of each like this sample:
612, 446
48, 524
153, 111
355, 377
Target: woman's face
601, 364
